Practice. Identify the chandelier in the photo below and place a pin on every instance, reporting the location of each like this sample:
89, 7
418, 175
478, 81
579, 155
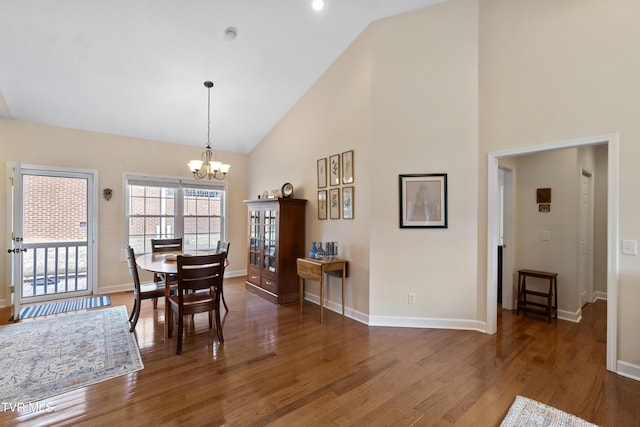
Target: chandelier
208, 166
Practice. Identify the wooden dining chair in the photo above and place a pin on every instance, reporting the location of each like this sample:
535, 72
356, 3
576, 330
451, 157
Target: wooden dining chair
223, 246
166, 245
141, 291
203, 273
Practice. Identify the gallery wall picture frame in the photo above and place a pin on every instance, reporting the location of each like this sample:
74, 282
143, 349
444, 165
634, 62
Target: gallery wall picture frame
543, 195
322, 172
423, 200
347, 167
348, 202
334, 203
322, 204
334, 170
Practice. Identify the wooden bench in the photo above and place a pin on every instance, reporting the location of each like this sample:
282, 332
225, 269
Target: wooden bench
550, 308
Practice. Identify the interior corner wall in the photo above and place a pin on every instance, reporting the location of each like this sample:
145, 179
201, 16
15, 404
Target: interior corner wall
425, 120
333, 117
552, 72
558, 251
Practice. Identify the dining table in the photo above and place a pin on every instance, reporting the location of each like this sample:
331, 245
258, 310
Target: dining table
163, 264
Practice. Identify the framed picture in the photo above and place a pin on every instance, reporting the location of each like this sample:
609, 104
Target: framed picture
423, 200
334, 169
322, 204
347, 167
543, 195
347, 202
334, 203
322, 173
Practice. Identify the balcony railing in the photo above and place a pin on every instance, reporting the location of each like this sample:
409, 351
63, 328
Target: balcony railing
54, 268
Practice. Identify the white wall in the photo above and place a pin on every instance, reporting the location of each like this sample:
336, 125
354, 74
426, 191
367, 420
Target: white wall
112, 156
334, 116
425, 109
557, 170
557, 71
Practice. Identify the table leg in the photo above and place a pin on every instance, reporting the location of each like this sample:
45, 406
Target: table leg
301, 280
343, 277
321, 296
167, 317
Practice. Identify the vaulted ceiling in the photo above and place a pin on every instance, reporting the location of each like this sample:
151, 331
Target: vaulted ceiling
137, 67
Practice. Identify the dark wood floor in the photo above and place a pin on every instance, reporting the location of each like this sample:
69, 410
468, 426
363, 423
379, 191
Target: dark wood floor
282, 368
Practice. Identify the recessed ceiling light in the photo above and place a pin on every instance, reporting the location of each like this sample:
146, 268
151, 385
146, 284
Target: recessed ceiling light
317, 5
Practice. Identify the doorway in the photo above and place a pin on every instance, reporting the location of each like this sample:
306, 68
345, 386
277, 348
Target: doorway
52, 232
612, 144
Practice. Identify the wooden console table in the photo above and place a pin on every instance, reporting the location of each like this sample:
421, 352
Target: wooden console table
315, 269
550, 309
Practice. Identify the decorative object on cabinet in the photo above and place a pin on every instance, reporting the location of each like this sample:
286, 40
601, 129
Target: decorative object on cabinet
313, 251
322, 204
276, 240
347, 167
334, 169
347, 202
423, 200
322, 173
287, 190
334, 203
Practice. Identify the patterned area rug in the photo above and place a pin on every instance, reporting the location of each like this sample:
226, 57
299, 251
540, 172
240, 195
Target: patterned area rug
64, 306
47, 357
526, 412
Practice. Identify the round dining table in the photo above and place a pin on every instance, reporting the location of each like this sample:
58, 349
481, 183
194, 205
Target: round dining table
163, 264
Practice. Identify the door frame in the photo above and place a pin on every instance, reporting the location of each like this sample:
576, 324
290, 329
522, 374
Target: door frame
588, 278
15, 170
509, 293
612, 142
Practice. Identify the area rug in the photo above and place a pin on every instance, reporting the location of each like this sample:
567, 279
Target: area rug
64, 306
525, 412
47, 357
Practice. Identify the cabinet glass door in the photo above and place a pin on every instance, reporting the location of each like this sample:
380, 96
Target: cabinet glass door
270, 239
254, 237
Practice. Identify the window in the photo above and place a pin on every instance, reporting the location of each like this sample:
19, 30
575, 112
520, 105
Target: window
165, 208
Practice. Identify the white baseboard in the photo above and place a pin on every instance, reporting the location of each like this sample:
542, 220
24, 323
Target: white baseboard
399, 322
336, 307
599, 295
574, 317
628, 370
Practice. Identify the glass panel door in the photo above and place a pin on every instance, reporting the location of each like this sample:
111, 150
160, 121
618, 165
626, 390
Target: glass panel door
270, 239
56, 213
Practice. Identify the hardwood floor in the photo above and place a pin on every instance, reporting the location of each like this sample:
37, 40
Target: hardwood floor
282, 368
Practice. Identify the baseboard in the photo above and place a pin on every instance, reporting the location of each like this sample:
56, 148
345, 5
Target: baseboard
599, 295
428, 323
628, 370
336, 307
574, 317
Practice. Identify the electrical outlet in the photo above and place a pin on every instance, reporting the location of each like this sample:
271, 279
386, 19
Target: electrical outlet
411, 298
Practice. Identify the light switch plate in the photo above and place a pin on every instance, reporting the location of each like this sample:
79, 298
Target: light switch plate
546, 235
630, 247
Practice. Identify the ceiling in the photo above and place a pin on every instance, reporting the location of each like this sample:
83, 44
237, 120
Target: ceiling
137, 67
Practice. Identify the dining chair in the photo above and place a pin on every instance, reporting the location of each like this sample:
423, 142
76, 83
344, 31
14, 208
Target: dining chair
223, 246
203, 273
141, 291
166, 245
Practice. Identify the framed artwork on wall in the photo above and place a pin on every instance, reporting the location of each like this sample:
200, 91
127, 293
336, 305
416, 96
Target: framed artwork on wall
423, 200
334, 169
322, 204
347, 167
347, 202
322, 173
334, 203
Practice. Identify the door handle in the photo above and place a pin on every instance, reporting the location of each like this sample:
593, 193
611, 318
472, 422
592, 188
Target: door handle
16, 250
